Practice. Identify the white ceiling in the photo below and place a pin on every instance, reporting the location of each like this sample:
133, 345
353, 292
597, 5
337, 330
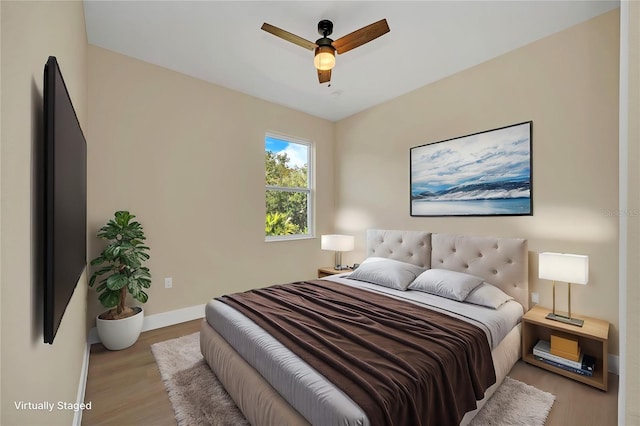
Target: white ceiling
221, 42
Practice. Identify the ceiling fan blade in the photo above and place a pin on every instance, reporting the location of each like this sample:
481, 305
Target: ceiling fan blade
361, 36
286, 35
324, 76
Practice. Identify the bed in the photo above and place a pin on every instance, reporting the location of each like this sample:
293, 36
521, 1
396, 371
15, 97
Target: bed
273, 386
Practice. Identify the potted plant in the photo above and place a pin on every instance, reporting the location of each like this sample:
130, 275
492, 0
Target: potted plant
122, 272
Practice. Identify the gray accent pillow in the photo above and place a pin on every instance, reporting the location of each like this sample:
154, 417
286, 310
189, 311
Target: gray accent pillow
386, 272
445, 283
488, 295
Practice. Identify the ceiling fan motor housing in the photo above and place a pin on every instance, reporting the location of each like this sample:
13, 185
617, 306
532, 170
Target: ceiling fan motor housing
324, 41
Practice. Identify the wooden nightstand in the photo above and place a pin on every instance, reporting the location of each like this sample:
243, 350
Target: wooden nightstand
592, 337
325, 271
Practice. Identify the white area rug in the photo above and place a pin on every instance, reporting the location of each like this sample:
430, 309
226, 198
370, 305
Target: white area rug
515, 403
198, 398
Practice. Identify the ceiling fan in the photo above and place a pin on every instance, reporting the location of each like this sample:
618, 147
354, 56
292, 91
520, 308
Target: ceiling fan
325, 48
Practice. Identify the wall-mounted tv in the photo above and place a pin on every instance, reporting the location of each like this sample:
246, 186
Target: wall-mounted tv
65, 203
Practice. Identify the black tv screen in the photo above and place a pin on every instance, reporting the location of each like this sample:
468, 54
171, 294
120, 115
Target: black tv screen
65, 203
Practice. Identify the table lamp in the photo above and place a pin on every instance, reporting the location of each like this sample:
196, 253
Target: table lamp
570, 268
337, 243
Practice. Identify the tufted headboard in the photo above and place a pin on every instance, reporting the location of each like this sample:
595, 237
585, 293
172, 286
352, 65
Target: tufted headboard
406, 246
502, 262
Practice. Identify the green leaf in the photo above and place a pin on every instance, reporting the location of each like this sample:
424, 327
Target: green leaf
99, 272
117, 281
143, 281
142, 297
130, 260
142, 256
105, 269
123, 218
109, 252
109, 299
98, 260
134, 290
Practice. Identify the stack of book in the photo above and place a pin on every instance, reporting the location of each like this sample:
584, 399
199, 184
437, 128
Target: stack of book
585, 365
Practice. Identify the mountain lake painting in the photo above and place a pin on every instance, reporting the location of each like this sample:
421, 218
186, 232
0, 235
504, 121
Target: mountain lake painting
483, 174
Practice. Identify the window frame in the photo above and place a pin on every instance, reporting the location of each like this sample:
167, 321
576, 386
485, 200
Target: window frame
309, 190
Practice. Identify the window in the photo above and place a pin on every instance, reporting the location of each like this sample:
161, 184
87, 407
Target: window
289, 194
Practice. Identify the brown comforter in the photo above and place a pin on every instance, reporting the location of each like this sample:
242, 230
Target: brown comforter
403, 364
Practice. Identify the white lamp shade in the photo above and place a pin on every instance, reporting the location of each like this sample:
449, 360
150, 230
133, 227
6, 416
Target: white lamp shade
337, 242
570, 268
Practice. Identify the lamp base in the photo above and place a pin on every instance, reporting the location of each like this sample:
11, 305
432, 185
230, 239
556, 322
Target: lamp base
337, 264
572, 321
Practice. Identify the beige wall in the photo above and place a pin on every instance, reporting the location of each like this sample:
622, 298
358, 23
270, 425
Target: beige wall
187, 157
568, 85
630, 413
31, 370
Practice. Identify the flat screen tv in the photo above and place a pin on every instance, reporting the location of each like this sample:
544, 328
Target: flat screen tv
65, 199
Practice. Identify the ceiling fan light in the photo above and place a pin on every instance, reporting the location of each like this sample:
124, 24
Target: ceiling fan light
325, 58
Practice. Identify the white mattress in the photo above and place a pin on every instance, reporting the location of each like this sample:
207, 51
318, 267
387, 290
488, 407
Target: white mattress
317, 399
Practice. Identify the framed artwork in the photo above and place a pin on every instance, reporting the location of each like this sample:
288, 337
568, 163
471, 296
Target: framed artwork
483, 174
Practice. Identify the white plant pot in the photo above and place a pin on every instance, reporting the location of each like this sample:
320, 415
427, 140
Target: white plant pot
122, 333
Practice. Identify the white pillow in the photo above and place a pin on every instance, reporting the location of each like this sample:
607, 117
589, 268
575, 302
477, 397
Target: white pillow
445, 283
487, 295
386, 272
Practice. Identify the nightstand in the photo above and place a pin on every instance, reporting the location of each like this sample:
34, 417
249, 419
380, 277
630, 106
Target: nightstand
592, 337
325, 271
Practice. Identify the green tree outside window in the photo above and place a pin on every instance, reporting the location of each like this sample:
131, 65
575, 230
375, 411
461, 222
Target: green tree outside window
287, 188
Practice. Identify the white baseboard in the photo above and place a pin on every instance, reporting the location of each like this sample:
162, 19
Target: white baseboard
163, 319
82, 385
178, 316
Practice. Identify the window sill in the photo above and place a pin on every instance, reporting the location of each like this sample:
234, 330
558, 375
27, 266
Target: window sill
272, 239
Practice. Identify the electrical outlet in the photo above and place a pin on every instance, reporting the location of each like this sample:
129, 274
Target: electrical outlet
168, 282
535, 297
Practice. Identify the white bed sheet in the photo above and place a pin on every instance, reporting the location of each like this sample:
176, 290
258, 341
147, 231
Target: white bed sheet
317, 399
495, 323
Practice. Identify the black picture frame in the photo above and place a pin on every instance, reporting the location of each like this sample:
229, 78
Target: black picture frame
487, 173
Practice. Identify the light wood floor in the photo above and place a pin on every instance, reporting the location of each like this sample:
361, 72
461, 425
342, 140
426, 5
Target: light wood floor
125, 388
